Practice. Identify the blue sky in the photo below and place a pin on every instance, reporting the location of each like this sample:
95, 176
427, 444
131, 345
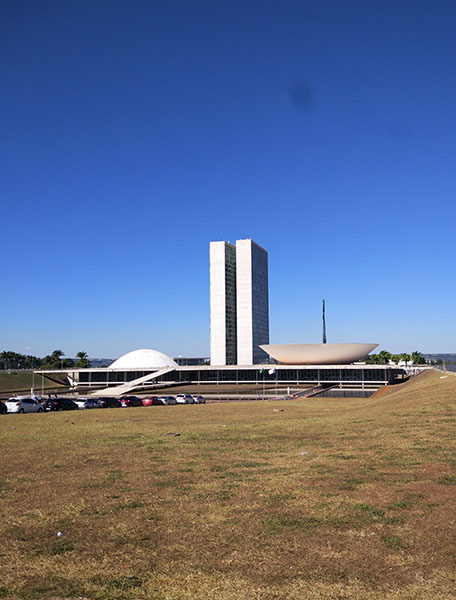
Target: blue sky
134, 133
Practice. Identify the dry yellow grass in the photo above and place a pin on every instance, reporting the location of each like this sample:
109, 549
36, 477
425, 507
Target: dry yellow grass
231, 508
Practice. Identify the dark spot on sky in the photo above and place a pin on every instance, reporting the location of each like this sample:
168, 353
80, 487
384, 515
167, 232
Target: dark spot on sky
301, 96
400, 131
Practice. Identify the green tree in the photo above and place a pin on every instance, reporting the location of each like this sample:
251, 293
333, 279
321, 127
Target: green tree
12, 360
405, 357
418, 358
83, 360
371, 359
32, 362
54, 360
384, 357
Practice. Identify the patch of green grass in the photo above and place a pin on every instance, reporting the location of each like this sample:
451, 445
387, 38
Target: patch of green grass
394, 542
447, 480
246, 464
281, 497
224, 494
276, 523
322, 469
402, 504
130, 505
91, 486
5, 592
115, 475
343, 456
61, 546
166, 484
375, 512
125, 583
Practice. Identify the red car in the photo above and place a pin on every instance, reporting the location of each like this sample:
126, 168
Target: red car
149, 400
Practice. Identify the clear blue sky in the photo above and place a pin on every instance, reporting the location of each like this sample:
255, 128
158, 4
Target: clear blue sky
134, 133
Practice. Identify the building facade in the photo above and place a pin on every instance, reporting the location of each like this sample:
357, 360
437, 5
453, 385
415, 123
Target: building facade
223, 303
239, 303
252, 302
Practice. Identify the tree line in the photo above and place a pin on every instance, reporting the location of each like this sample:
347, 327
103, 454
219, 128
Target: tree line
16, 361
385, 358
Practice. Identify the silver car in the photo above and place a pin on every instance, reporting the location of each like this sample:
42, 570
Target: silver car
21, 404
87, 403
199, 399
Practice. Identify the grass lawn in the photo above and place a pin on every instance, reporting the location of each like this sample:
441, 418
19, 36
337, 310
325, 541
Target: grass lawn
22, 381
325, 499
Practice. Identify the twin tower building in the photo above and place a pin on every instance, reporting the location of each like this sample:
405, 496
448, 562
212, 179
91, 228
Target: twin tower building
239, 303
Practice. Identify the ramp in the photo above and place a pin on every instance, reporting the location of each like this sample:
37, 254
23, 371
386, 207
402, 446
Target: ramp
314, 391
125, 388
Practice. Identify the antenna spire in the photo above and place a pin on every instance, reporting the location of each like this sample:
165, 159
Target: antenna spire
324, 324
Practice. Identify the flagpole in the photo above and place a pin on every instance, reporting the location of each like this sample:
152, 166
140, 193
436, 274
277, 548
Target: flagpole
324, 324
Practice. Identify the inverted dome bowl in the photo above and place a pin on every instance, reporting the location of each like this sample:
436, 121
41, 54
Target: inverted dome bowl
318, 354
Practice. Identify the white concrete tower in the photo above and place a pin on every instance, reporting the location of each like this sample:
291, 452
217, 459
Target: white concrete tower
223, 303
252, 302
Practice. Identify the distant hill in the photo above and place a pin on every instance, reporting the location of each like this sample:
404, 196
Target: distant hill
443, 357
99, 362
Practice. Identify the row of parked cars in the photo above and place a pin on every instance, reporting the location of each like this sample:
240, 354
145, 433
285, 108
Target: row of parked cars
22, 404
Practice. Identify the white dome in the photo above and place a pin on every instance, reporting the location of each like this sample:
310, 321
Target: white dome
143, 359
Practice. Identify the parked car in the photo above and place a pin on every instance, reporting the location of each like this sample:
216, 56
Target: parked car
158, 401
21, 404
170, 400
131, 401
84, 403
199, 399
148, 400
109, 402
60, 404
185, 399
3, 409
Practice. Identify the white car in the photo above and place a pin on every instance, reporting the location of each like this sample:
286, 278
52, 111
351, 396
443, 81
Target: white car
184, 399
21, 404
87, 403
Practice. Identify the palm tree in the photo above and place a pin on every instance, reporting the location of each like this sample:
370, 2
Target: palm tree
384, 356
55, 359
405, 357
418, 358
83, 361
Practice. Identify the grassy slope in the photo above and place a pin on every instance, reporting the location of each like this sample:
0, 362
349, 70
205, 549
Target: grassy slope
21, 381
231, 509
